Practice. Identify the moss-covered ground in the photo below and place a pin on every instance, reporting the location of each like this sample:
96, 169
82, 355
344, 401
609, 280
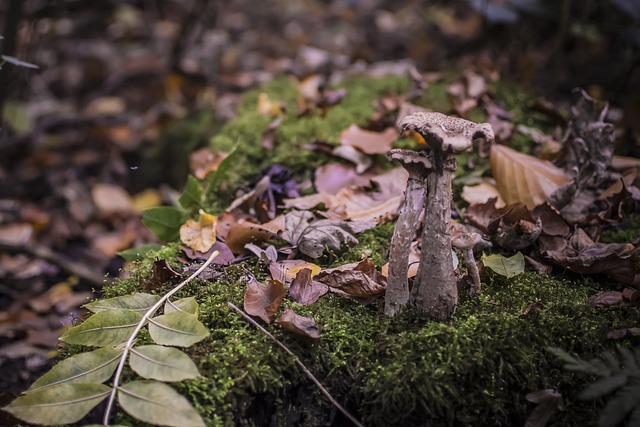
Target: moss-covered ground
409, 371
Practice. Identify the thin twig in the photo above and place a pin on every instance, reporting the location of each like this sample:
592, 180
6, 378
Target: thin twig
143, 321
300, 365
46, 254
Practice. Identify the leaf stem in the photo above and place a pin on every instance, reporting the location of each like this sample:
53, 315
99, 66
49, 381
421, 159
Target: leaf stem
147, 315
300, 365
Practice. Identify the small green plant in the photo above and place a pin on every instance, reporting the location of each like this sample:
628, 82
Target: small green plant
619, 377
75, 386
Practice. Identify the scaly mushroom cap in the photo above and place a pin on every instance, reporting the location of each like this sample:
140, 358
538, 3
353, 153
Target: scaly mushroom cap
449, 134
468, 241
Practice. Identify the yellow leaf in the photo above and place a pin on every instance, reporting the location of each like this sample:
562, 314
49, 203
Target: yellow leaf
199, 235
266, 107
522, 178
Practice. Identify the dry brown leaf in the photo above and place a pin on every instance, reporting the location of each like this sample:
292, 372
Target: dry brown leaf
263, 300
522, 178
286, 271
199, 235
606, 299
305, 290
301, 325
111, 200
243, 232
369, 142
482, 193
363, 283
204, 160
333, 177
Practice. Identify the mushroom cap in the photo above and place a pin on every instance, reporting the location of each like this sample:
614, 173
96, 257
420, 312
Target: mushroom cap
415, 162
468, 240
452, 134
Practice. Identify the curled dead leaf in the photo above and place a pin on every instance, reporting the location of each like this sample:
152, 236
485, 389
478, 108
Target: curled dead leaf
362, 283
301, 325
305, 290
263, 300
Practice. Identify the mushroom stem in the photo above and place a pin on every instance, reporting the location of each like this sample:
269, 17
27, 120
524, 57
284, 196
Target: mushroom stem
397, 293
435, 287
472, 268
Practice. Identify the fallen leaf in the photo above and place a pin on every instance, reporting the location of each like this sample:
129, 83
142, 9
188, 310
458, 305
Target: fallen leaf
162, 272
266, 256
369, 142
504, 266
199, 235
352, 154
301, 325
549, 402
286, 271
311, 236
246, 232
522, 178
582, 255
263, 300
606, 299
363, 283
305, 290
482, 193
333, 177
111, 200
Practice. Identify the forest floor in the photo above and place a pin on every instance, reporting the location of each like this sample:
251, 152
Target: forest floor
126, 91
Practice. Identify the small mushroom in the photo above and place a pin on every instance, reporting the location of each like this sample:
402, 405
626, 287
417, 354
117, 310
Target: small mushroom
418, 166
466, 242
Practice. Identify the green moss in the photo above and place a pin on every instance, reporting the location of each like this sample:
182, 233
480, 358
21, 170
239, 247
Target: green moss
627, 231
407, 371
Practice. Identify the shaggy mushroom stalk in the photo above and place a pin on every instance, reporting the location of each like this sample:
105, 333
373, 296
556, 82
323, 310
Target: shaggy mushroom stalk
417, 164
435, 288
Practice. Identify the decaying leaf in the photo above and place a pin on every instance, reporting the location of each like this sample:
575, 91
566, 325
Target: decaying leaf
333, 177
522, 178
606, 299
304, 289
482, 193
369, 142
505, 266
204, 160
312, 236
263, 300
286, 271
301, 325
582, 255
549, 402
162, 273
362, 283
244, 232
199, 235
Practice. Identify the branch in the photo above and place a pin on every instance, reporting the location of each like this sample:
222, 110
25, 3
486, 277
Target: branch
300, 365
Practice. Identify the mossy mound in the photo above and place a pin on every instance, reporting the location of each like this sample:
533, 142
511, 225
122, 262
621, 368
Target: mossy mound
410, 371
407, 371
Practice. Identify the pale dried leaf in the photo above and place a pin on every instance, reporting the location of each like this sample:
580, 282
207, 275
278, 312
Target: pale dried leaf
522, 178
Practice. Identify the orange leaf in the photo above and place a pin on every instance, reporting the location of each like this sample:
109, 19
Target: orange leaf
522, 178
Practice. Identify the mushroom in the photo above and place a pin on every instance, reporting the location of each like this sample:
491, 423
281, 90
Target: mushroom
418, 166
435, 287
466, 242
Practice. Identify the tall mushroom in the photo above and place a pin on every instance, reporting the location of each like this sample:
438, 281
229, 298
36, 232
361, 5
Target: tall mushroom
418, 166
435, 289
